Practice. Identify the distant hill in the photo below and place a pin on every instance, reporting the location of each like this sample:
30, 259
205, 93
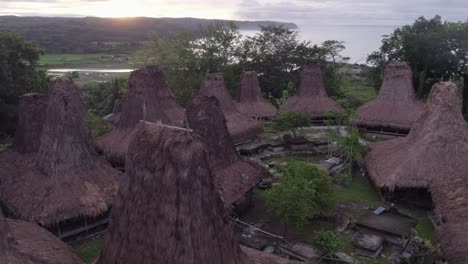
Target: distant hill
94, 34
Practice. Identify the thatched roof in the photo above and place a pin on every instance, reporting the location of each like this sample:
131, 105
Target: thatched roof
450, 196
169, 210
251, 102
233, 175
148, 98
311, 97
31, 117
26, 243
66, 178
437, 146
396, 105
241, 127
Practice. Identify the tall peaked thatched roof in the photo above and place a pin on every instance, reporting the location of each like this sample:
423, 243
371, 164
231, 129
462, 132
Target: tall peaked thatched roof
169, 210
64, 142
251, 102
65, 179
233, 175
396, 105
31, 117
25, 243
241, 127
311, 97
148, 98
437, 146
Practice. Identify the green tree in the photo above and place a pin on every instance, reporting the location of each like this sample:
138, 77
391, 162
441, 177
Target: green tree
101, 98
436, 50
18, 75
176, 57
186, 58
291, 121
303, 193
351, 147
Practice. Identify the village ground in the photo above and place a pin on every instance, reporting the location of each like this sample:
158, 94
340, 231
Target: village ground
349, 201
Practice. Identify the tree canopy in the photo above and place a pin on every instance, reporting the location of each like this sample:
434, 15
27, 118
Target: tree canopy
291, 121
18, 75
275, 53
436, 50
303, 192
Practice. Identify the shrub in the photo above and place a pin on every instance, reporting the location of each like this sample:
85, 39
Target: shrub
303, 193
326, 240
291, 121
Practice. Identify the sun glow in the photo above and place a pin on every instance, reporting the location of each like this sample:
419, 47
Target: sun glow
119, 8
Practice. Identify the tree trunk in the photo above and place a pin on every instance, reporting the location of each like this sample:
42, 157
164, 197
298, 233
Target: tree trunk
465, 92
421, 82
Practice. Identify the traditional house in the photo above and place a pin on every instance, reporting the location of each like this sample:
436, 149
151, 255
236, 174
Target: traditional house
311, 97
233, 175
436, 146
396, 108
251, 102
169, 210
65, 180
26, 243
241, 127
148, 98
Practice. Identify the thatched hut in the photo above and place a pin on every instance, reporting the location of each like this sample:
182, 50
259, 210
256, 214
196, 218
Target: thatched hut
311, 97
31, 116
26, 243
169, 210
233, 175
251, 102
241, 127
65, 179
396, 108
148, 98
436, 146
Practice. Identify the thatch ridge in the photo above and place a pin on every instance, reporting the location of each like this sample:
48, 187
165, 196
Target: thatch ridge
148, 98
25, 243
233, 175
396, 105
241, 127
169, 210
251, 102
65, 179
31, 116
436, 146
311, 96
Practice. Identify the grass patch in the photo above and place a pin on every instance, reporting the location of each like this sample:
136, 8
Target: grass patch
359, 90
343, 243
89, 250
97, 125
97, 59
4, 147
289, 159
361, 190
424, 228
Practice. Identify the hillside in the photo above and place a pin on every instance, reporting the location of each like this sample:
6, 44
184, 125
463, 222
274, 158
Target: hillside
94, 34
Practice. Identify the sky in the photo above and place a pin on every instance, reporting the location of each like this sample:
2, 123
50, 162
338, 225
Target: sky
302, 12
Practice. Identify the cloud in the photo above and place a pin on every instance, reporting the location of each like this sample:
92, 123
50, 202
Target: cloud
348, 12
305, 12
